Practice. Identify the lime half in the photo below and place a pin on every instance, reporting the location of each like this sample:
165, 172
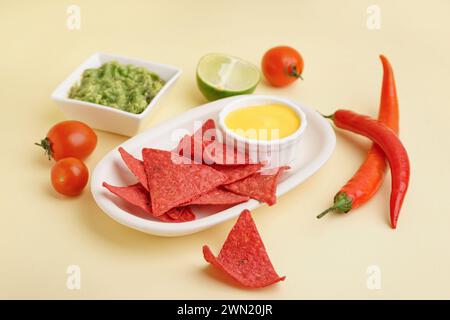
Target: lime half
221, 75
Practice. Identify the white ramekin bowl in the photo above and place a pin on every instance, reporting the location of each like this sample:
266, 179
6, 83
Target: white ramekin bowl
278, 152
104, 117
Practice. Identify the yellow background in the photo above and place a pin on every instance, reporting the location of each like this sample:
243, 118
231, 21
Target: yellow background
41, 233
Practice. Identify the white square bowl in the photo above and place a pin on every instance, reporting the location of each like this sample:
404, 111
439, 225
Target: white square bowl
104, 117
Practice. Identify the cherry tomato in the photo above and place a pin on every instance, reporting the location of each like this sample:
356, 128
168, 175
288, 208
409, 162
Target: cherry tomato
69, 176
282, 65
69, 139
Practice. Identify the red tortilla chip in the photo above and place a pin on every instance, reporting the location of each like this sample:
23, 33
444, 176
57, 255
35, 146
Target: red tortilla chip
237, 172
223, 154
185, 215
258, 186
192, 146
172, 182
138, 196
136, 167
175, 213
181, 214
134, 194
243, 256
203, 147
219, 196
209, 124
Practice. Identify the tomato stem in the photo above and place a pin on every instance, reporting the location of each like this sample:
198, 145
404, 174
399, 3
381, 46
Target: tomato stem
294, 72
47, 146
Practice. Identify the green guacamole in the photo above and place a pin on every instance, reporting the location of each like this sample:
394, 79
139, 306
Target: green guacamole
123, 87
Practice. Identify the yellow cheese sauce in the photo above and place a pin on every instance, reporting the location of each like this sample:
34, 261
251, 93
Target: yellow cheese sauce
264, 122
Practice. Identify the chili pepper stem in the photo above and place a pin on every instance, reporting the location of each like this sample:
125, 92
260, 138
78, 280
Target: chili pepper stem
331, 116
46, 145
342, 204
332, 208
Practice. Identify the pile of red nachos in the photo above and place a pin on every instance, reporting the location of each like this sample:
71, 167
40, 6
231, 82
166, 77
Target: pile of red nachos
199, 171
203, 171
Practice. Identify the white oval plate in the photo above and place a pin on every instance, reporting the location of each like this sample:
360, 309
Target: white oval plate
317, 145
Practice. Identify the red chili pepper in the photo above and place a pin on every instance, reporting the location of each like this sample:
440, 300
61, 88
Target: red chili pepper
392, 147
370, 174
389, 112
